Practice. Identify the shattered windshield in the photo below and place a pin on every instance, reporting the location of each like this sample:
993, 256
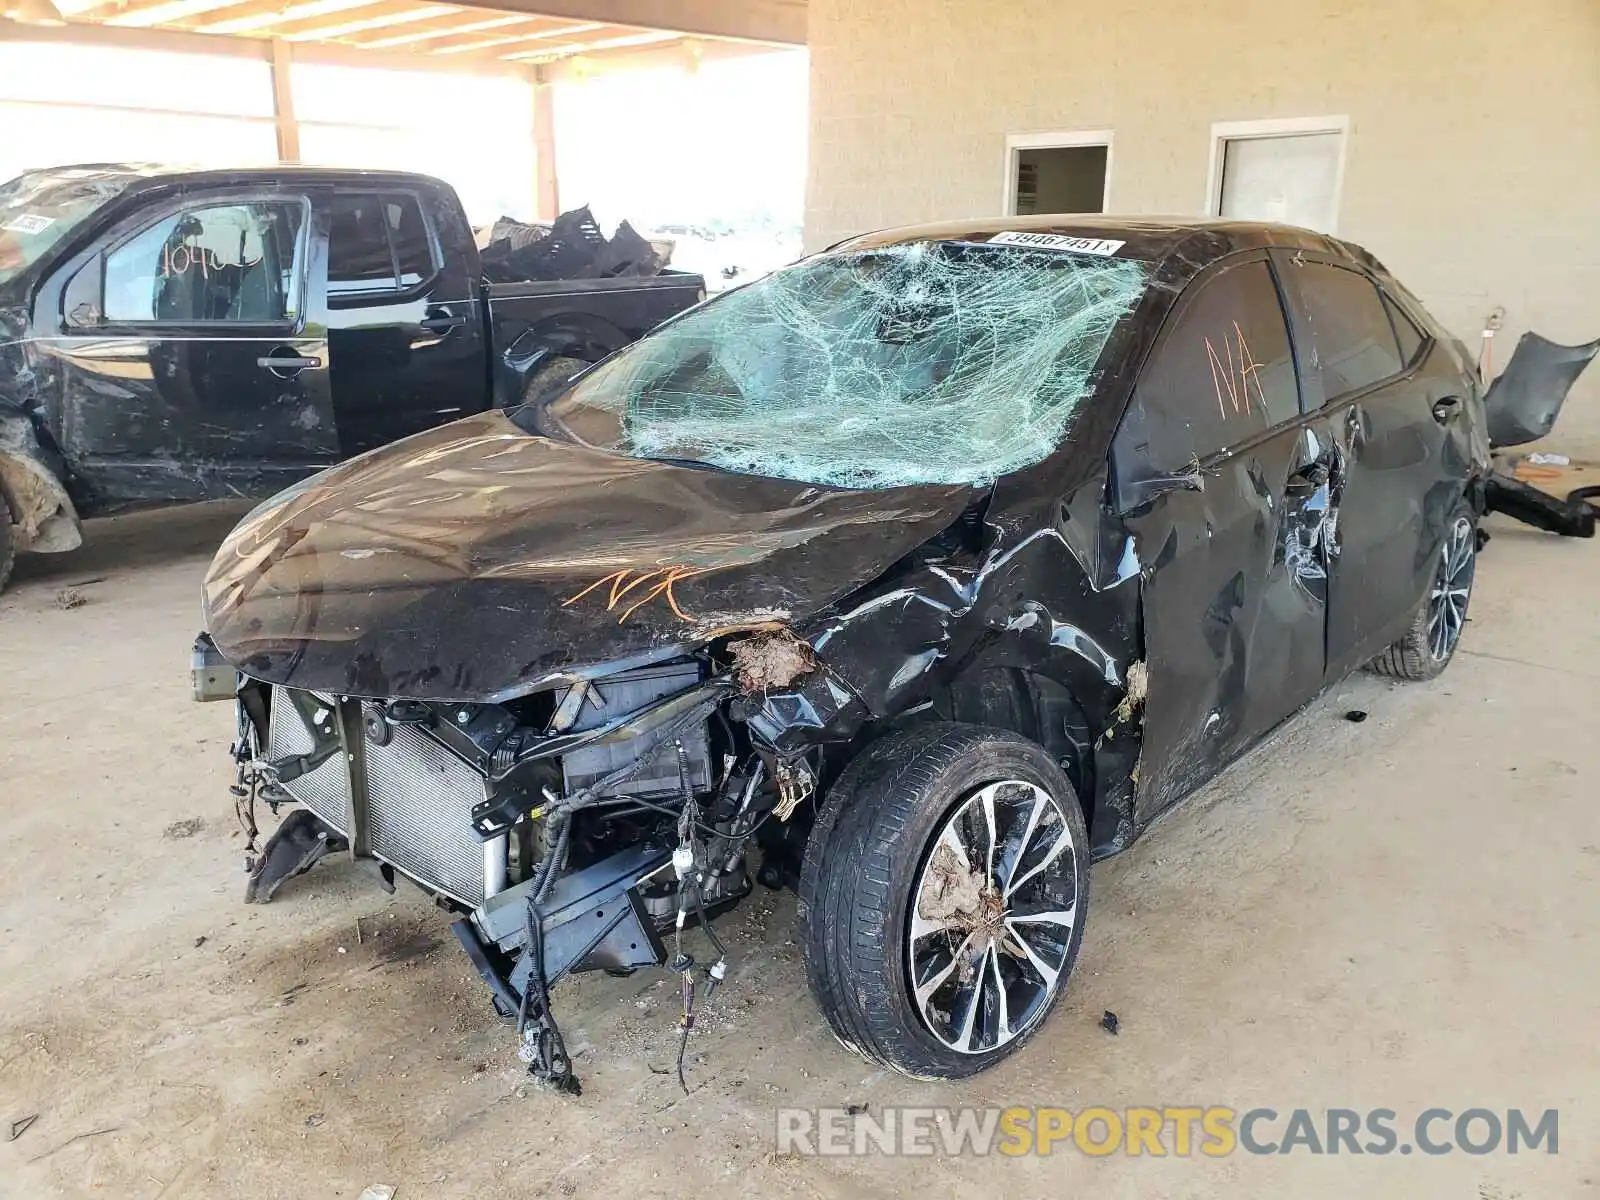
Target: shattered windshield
921, 363
39, 208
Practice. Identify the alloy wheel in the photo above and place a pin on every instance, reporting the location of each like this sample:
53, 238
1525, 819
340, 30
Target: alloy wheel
992, 917
1452, 584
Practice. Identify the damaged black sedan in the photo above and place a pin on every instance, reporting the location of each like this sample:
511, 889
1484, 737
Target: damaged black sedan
925, 571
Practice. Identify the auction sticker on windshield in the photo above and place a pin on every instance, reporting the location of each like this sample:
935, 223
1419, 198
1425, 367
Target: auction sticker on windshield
29, 223
1057, 241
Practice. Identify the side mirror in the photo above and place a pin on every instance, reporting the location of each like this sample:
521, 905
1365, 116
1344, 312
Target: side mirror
80, 299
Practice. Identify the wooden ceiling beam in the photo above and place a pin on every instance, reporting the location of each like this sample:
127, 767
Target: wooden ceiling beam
567, 32
441, 27
552, 51
168, 12
779, 22
383, 15
688, 54
267, 15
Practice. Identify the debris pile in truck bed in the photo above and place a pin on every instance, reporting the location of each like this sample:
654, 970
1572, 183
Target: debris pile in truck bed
570, 248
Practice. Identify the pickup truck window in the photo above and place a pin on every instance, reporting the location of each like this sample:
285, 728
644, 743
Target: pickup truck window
377, 245
232, 263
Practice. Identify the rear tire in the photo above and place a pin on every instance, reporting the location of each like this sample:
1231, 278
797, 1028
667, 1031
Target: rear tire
887, 905
1427, 647
549, 372
8, 544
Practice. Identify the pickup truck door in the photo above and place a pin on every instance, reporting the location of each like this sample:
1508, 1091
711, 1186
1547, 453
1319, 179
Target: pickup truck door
406, 341
186, 368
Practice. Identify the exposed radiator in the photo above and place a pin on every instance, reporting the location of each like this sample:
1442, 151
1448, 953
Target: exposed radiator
419, 801
326, 790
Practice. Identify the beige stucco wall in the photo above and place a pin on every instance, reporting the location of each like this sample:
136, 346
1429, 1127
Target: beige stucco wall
1472, 170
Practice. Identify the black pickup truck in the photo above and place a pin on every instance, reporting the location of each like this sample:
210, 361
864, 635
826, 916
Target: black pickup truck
176, 335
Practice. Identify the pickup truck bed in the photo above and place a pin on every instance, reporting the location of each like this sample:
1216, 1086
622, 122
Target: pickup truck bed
585, 319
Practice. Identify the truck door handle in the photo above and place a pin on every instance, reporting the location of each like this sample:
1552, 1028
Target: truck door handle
1445, 408
442, 323
285, 363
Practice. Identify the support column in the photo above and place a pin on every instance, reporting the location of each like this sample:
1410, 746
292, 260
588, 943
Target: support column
547, 190
288, 128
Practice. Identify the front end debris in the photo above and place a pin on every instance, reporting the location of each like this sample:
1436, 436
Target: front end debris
580, 828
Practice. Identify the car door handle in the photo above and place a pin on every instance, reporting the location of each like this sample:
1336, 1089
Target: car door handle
1446, 408
442, 324
286, 364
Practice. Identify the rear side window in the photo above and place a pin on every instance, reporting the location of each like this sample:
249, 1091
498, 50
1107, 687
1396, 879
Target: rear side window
413, 255
223, 264
377, 245
1411, 338
1353, 342
1221, 373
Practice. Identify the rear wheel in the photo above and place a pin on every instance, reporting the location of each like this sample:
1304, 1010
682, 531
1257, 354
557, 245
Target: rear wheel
943, 898
1436, 629
550, 372
8, 544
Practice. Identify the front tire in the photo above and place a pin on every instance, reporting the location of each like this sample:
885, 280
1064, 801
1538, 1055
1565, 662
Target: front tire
943, 898
1427, 647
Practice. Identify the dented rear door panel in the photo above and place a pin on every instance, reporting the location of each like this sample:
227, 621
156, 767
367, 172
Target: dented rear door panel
1403, 452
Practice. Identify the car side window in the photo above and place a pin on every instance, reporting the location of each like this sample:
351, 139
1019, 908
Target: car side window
1221, 373
227, 263
1353, 342
377, 245
1411, 338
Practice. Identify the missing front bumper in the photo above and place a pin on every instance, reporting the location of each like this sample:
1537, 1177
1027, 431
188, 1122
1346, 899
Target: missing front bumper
593, 919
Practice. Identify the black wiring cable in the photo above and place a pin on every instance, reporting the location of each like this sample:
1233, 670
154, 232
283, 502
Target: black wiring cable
531, 931
686, 986
551, 1043
700, 914
685, 1025
673, 812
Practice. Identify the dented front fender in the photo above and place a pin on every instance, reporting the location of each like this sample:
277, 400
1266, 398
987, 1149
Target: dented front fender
45, 519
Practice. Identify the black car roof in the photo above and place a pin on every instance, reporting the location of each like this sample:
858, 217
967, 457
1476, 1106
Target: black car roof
169, 173
1192, 242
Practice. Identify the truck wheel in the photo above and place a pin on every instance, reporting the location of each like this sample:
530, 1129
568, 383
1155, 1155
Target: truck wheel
943, 898
549, 372
1436, 629
8, 544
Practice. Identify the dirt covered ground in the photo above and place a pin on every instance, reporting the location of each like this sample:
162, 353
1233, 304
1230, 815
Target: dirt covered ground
1397, 913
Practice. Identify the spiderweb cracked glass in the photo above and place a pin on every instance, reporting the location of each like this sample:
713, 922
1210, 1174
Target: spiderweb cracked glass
930, 362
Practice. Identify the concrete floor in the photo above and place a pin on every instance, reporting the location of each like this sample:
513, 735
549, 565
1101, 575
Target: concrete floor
1392, 914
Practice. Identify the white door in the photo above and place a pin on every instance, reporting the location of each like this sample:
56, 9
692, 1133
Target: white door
1292, 179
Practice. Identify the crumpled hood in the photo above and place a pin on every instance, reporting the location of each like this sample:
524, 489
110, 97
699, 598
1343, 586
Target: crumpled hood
476, 562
